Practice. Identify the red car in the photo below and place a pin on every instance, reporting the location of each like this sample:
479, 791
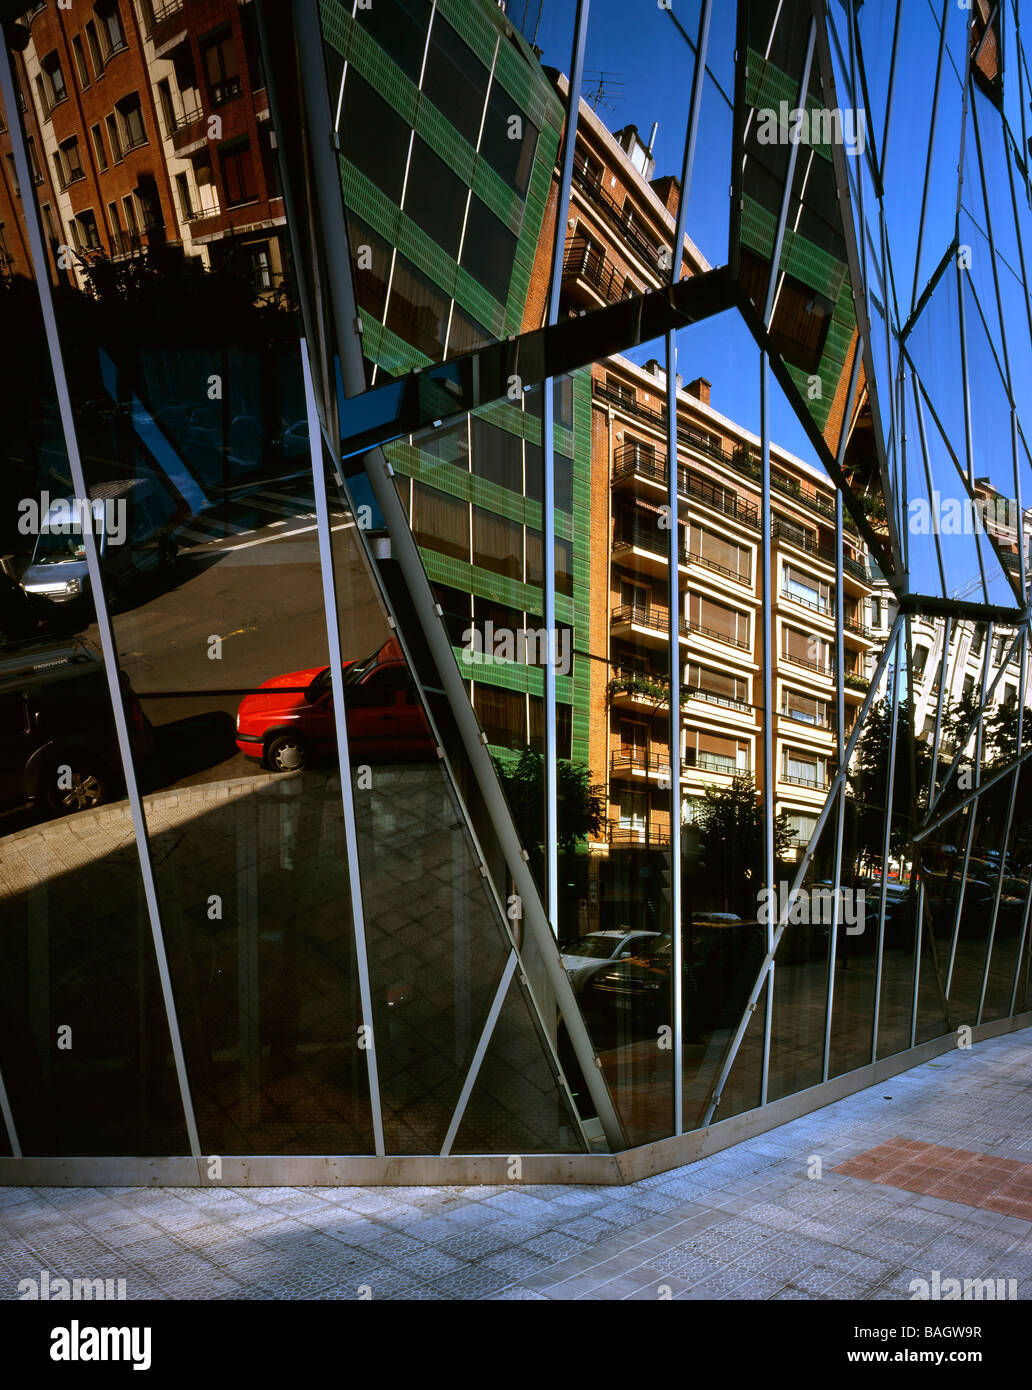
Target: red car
290, 724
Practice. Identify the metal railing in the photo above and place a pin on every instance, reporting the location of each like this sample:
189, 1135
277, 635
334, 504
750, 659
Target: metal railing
716, 635
645, 837
640, 760
618, 219
585, 261
713, 762
647, 538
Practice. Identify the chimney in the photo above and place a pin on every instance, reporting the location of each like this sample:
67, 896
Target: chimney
700, 389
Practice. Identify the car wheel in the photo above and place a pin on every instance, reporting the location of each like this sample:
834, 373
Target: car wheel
286, 753
79, 784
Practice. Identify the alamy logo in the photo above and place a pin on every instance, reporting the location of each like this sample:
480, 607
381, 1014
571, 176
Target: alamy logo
972, 1290
57, 1290
813, 907
70, 517
961, 516
820, 125
528, 645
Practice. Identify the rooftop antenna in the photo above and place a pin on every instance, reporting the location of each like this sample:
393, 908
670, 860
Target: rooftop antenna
604, 89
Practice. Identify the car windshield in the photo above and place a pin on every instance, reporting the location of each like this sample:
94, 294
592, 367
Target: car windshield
53, 548
597, 947
322, 683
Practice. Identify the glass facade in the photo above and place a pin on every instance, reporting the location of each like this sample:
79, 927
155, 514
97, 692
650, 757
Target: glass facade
505, 650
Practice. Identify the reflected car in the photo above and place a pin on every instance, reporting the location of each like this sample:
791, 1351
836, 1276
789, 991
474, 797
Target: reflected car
587, 955
58, 747
288, 724
630, 999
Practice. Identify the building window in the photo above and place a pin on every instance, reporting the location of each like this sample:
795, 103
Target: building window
80, 62
85, 233
718, 553
801, 827
373, 136
261, 267
55, 83
497, 455
806, 709
435, 198
400, 30
509, 140
221, 67
802, 770
98, 147
186, 208
131, 111
502, 715
488, 250
805, 588
238, 173
114, 138
721, 686
455, 80
418, 310
440, 522
13, 174
110, 22
68, 163
497, 544
34, 165
49, 223
94, 44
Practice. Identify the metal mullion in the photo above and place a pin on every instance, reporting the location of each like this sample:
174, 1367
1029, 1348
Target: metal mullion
786, 193
977, 727
890, 789
767, 596
347, 795
766, 964
840, 720
947, 635
107, 640
8, 1118
890, 94
483, 1042
1005, 841
987, 694
928, 478
931, 151
405, 552
674, 595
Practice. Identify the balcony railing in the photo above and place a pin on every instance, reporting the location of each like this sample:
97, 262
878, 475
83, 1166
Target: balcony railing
740, 460
161, 12
816, 783
618, 219
817, 605
716, 635
815, 721
649, 538
651, 836
652, 616
736, 575
634, 461
176, 121
585, 261
823, 668
713, 762
639, 760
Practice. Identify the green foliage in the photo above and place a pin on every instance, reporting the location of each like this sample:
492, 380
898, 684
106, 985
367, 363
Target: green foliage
730, 825
581, 803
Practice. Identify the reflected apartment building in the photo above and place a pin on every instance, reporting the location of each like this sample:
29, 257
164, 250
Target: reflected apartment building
151, 130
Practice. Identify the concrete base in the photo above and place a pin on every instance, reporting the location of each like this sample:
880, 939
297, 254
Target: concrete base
458, 1170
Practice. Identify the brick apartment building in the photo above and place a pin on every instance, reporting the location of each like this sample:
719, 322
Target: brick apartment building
149, 127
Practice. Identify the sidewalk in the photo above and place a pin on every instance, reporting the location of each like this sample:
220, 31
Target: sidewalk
748, 1223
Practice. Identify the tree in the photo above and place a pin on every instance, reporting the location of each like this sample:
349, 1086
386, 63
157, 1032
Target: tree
868, 780
730, 824
581, 803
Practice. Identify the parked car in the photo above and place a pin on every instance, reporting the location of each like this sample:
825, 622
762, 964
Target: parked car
58, 747
587, 955
288, 724
22, 615
629, 1000
134, 522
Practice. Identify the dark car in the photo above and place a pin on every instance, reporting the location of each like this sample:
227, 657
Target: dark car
22, 616
630, 1000
288, 724
58, 747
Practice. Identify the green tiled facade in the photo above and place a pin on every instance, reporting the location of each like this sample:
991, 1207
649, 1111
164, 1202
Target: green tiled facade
484, 29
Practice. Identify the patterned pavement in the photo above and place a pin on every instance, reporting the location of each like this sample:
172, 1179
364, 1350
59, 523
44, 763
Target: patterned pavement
822, 1208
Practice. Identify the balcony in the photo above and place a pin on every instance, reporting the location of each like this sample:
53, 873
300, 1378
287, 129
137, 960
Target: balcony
652, 616
716, 636
815, 605
638, 836
588, 277
634, 535
740, 459
717, 568
633, 761
656, 690
714, 762
619, 221
821, 668
638, 460
174, 121
817, 783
